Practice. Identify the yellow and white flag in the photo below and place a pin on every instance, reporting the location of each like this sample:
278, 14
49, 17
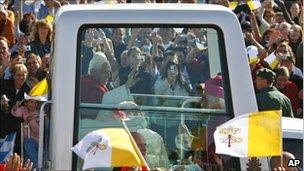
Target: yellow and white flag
49, 18
256, 134
38, 92
254, 4
233, 5
109, 147
252, 53
272, 60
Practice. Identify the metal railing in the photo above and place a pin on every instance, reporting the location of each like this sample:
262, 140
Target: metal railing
41, 135
152, 108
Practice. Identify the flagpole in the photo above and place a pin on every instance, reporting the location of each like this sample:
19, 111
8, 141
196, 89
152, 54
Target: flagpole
21, 10
22, 139
136, 148
281, 162
207, 140
280, 113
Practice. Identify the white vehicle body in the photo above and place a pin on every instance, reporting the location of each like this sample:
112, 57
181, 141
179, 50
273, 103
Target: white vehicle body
70, 18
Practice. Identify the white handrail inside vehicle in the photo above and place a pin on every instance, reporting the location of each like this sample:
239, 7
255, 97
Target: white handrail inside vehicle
152, 108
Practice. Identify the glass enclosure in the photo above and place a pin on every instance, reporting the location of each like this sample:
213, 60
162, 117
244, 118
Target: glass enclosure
169, 81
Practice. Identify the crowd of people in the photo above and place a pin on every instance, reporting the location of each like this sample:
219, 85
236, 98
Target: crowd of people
144, 66
146, 60
25, 43
275, 31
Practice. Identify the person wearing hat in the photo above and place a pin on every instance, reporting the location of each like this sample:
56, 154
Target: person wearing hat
253, 59
212, 93
215, 92
94, 84
268, 97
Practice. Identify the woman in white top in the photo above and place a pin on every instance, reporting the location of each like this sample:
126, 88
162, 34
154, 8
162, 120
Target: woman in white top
171, 83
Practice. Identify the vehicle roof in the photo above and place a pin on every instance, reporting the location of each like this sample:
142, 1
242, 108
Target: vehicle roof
292, 128
141, 6
213, 14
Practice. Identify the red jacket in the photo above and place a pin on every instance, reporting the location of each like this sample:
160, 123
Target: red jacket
92, 91
291, 91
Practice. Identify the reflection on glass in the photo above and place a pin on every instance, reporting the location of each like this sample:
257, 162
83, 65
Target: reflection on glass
168, 143
159, 66
168, 83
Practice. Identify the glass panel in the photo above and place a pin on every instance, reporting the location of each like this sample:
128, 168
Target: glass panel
168, 81
158, 66
173, 140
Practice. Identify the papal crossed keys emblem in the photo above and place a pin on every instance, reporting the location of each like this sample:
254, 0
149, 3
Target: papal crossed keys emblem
96, 145
230, 135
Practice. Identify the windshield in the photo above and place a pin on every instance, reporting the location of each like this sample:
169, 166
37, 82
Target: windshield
168, 81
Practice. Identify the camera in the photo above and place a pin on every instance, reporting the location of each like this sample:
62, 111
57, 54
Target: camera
4, 103
4, 98
141, 58
27, 48
242, 8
